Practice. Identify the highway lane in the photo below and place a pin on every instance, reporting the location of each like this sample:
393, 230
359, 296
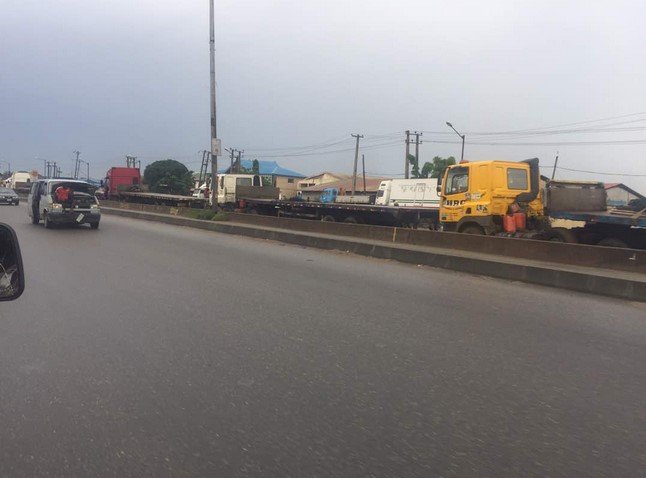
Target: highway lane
145, 349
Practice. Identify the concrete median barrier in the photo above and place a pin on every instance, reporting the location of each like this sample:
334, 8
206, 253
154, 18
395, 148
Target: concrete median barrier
375, 242
629, 260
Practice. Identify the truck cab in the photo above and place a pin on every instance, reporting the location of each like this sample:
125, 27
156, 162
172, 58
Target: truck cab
476, 196
229, 184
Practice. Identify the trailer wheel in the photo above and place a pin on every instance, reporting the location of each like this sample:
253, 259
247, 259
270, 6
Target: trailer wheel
561, 234
328, 218
426, 224
612, 242
472, 229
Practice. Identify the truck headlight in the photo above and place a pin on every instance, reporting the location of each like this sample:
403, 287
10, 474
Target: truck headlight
56, 207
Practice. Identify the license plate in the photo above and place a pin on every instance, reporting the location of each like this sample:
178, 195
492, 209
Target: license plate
80, 217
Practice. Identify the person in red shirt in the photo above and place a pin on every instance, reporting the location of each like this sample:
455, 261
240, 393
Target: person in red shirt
63, 195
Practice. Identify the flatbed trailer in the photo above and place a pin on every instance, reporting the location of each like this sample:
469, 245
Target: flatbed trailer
160, 199
416, 217
615, 227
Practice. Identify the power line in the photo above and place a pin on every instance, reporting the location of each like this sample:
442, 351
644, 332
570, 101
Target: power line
552, 143
596, 172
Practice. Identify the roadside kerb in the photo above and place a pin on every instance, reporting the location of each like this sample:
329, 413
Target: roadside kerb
625, 285
629, 260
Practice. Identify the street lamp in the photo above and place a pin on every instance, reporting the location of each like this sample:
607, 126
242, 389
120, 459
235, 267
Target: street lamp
460, 135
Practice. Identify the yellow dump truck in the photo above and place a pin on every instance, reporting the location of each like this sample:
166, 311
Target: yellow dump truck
506, 198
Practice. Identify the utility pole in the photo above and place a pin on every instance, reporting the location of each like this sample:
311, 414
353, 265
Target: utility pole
363, 167
77, 165
231, 154
238, 161
417, 143
556, 161
406, 154
356, 159
215, 142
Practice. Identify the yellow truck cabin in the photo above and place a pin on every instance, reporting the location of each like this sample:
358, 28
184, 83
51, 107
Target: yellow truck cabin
475, 196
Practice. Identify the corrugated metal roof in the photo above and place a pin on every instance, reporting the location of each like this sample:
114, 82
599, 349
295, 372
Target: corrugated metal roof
267, 167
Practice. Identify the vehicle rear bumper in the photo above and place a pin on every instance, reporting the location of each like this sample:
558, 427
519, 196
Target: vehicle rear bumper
72, 217
9, 201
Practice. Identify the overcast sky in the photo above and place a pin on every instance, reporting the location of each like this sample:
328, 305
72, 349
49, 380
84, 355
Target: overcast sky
119, 77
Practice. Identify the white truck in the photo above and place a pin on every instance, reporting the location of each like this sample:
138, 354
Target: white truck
233, 186
420, 192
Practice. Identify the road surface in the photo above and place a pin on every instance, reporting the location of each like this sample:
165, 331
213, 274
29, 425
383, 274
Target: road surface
144, 349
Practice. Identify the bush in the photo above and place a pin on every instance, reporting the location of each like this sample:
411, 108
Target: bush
206, 215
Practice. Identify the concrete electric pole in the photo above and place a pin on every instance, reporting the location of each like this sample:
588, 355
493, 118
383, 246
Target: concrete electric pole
417, 142
215, 142
356, 160
77, 165
406, 154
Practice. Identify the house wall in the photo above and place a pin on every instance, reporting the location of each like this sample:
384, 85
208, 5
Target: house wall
288, 186
316, 180
618, 196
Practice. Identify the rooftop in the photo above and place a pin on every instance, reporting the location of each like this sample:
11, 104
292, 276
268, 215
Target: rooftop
267, 168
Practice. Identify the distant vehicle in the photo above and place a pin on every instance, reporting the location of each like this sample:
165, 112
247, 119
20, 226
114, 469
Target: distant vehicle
21, 180
8, 196
233, 187
125, 184
81, 207
420, 192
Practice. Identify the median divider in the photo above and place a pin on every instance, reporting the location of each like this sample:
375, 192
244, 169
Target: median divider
616, 273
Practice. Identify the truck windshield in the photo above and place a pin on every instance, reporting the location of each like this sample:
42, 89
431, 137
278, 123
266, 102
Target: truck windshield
457, 180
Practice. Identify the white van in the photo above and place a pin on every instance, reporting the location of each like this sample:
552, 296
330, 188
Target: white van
420, 192
81, 207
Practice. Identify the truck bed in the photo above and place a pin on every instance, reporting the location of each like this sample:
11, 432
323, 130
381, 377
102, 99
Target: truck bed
619, 217
336, 205
163, 198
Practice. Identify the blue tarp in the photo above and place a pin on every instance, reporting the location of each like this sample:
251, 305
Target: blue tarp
266, 168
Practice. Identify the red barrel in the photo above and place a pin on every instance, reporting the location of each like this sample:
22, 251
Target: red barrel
509, 224
520, 218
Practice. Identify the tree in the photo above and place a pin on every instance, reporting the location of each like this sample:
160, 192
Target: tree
436, 169
255, 167
168, 176
412, 159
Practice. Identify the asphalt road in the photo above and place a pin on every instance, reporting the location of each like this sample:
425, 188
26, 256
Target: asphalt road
144, 349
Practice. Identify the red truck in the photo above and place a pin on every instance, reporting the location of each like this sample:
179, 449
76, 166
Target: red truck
119, 180
124, 184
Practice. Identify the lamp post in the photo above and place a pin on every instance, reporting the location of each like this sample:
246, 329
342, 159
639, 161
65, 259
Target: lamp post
460, 135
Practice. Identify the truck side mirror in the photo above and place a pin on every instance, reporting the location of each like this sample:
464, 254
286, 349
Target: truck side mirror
12, 273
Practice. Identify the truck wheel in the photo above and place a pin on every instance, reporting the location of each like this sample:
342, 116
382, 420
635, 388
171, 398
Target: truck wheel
561, 234
328, 219
612, 242
94, 225
351, 220
472, 229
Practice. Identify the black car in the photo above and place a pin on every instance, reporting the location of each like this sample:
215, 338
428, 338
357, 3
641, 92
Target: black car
8, 196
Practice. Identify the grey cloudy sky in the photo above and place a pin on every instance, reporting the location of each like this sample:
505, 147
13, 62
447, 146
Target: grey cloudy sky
122, 77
